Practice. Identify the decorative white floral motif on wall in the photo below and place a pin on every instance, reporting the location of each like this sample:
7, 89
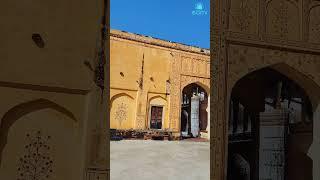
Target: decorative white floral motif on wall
121, 113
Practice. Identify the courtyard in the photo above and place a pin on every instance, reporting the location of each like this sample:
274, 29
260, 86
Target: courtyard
159, 160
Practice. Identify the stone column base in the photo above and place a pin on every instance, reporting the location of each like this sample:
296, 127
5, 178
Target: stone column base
97, 174
204, 135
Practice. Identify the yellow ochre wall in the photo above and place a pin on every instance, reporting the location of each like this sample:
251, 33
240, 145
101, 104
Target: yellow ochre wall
50, 89
127, 57
131, 103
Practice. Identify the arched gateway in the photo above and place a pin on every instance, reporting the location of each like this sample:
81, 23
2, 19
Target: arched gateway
271, 123
194, 111
265, 83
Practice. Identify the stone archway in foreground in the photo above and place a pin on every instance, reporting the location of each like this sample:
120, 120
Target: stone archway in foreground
273, 105
250, 35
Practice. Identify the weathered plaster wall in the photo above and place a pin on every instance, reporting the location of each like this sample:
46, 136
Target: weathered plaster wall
43, 88
127, 60
70, 31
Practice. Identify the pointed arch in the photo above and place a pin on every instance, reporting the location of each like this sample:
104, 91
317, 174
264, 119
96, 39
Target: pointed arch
117, 96
157, 96
205, 87
15, 113
304, 81
202, 85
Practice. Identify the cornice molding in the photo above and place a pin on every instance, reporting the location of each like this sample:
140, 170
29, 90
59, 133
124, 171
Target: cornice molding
158, 42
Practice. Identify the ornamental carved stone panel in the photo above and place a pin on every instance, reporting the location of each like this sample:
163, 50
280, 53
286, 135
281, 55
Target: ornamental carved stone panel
283, 19
195, 66
175, 92
243, 16
140, 121
296, 66
244, 59
186, 65
314, 24
186, 70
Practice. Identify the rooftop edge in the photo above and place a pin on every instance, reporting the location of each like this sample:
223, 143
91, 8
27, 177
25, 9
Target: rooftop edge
158, 42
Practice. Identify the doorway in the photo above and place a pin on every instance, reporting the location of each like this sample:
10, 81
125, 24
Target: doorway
156, 117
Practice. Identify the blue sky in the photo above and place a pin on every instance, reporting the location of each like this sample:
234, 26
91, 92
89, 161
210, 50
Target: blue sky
173, 20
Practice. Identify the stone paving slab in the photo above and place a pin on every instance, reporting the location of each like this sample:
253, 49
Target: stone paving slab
160, 160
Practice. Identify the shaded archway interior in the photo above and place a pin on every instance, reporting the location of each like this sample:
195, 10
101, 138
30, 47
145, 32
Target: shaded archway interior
194, 103
264, 101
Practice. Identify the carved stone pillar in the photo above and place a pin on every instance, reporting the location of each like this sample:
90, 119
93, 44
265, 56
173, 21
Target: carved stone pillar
273, 135
219, 104
195, 100
95, 174
140, 122
208, 123
98, 125
98, 150
175, 93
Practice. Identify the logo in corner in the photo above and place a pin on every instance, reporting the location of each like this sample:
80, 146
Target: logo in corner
199, 6
199, 9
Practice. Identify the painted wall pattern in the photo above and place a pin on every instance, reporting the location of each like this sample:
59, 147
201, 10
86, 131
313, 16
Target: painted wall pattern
121, 113
36, 163
314, 22
243, 16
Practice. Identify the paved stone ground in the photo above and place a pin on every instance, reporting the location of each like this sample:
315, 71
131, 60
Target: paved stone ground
160, 160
